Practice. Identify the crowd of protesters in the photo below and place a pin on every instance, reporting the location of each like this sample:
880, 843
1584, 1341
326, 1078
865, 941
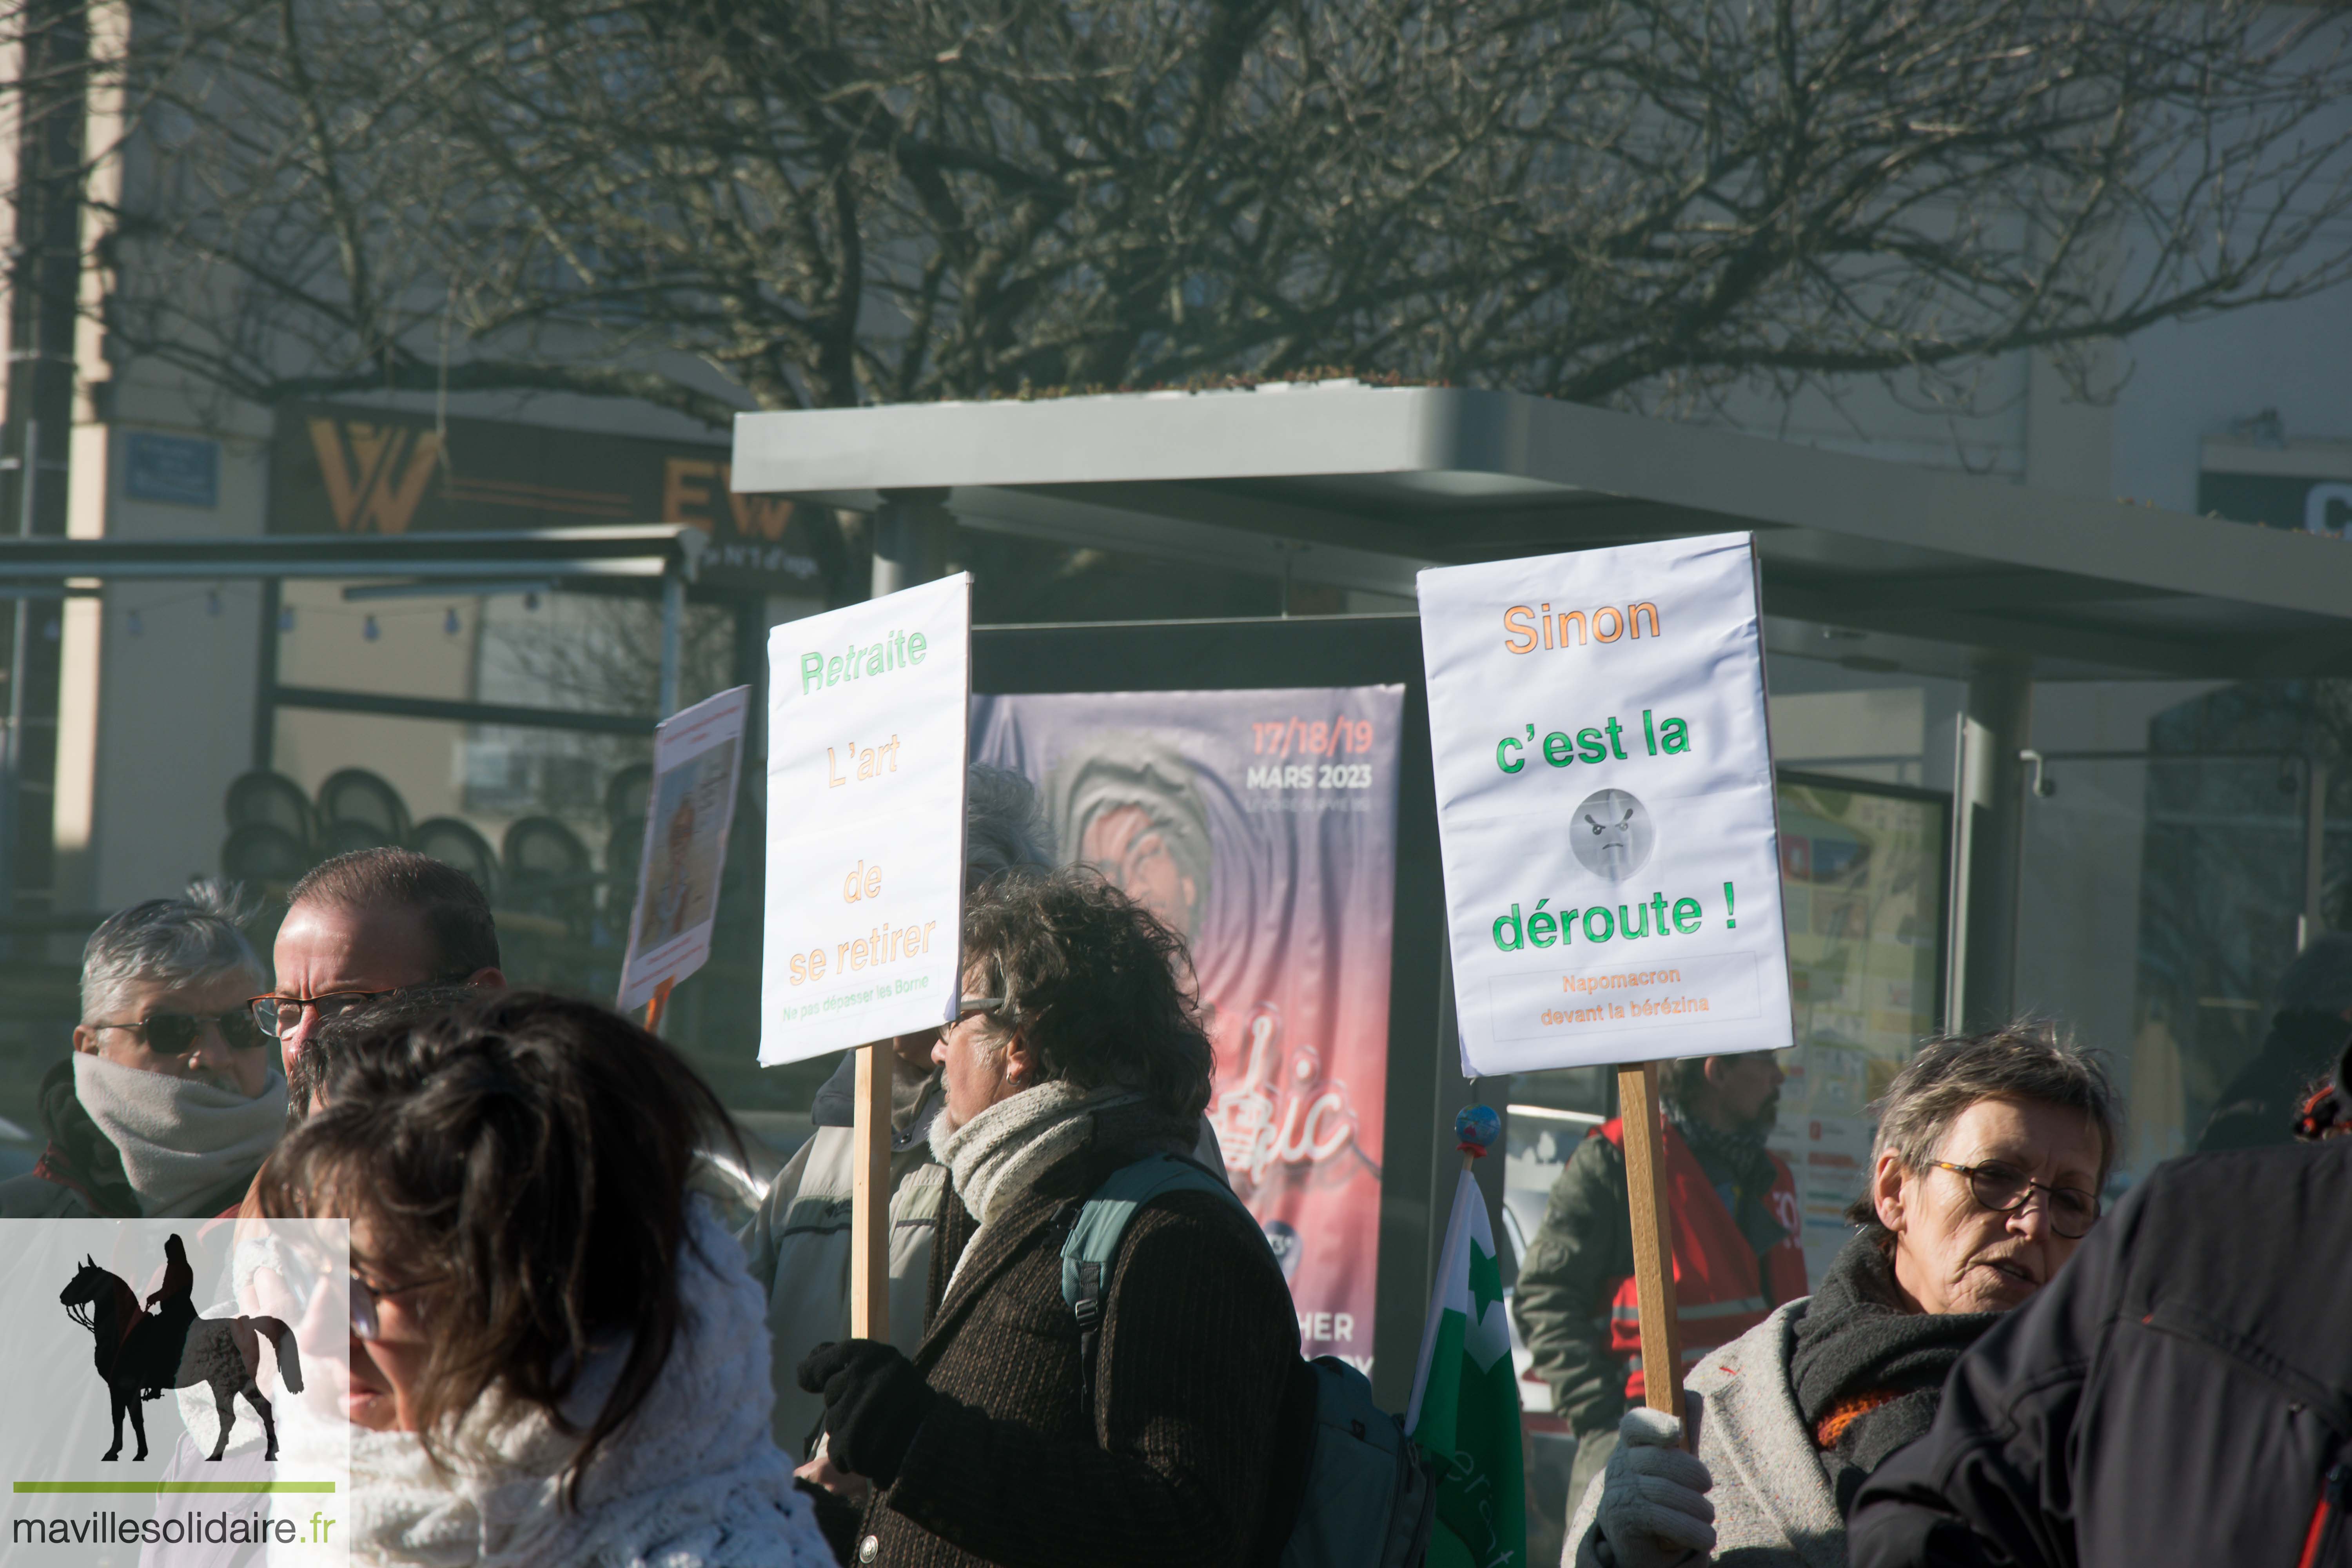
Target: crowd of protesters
559, 1355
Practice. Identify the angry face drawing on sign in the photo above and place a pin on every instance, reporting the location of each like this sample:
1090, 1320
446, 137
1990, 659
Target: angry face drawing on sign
1613, 833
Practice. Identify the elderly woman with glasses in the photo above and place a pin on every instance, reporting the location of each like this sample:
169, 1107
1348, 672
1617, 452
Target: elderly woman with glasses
1991, 1154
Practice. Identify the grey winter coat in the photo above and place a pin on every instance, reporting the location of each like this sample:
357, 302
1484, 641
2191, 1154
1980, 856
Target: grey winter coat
1774, 1506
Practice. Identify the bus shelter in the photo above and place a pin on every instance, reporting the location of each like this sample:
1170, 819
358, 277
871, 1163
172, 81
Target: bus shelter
2039, 754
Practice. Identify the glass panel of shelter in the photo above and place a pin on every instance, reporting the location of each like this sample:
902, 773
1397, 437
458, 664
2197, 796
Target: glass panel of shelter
2162, 889
2165, 883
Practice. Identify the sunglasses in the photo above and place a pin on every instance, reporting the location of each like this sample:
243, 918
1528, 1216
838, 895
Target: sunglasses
278, 1016
176, 1034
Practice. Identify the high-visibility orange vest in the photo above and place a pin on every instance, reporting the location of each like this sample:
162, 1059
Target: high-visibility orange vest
1720, 1291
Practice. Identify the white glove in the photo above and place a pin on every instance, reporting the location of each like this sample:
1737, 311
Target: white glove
1652, 1511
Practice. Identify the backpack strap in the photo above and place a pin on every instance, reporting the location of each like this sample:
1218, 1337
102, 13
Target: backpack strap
1092, 1245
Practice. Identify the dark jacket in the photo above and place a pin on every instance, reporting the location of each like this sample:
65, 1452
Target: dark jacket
1174, 1463
2180, 1394
2258, 1109
80, 1175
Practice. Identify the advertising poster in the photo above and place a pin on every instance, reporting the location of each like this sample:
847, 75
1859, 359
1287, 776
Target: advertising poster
866, 714
1605, 805
1261, 827
1861, 872
179, 1392
698, 755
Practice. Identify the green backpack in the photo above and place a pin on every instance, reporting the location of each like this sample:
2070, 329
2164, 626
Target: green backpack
1370, 1495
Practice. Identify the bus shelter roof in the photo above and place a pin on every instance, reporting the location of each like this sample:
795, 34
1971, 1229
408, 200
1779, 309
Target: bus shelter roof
1363, 486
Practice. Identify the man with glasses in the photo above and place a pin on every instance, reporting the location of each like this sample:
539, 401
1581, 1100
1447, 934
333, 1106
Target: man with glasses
171, 1096
367, 925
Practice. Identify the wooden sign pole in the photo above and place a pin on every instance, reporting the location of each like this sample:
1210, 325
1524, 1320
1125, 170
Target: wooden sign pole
655, 1008
870, 1215
1654, 1256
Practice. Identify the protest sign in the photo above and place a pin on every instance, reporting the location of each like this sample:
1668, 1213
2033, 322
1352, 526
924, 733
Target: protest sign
1606, 819
868, 718
1605, 805
868, 710
698, 760
1261, 827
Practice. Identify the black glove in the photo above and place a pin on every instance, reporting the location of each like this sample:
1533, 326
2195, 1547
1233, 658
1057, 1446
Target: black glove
874, 1400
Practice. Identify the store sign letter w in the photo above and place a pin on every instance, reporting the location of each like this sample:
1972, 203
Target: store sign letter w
374, 474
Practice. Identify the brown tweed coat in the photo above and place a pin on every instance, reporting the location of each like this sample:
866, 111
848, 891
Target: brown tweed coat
1177, 1461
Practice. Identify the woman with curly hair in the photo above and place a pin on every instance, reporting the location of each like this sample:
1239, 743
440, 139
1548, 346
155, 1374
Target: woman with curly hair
1015, 1436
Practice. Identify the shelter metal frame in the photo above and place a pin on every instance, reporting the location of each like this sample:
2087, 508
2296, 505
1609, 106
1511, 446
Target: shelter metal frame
664, 557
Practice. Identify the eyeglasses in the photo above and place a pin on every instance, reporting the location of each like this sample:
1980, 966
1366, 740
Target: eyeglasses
968, 1005
277, 1016
366, 1293
2072, 1212
175, 1034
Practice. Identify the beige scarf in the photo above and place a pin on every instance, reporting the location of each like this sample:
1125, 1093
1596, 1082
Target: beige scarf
999, 1154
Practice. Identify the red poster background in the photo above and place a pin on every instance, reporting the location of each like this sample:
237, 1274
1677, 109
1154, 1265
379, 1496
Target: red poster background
1262, 824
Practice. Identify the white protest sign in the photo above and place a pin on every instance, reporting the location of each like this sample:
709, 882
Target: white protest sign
868, 713
697, 758
1605, 805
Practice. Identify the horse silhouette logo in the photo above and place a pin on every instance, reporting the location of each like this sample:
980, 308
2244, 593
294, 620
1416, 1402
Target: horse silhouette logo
1611, 834
140, 1353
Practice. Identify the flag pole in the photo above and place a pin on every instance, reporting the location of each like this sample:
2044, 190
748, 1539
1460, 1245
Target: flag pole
1465, 1413
1653, 1268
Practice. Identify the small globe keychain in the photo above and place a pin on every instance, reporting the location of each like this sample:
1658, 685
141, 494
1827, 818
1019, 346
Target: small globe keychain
1479, 1129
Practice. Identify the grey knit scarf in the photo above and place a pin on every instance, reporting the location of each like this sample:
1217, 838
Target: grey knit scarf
178, 1137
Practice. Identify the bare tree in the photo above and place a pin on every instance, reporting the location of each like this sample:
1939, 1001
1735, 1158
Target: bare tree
713, 204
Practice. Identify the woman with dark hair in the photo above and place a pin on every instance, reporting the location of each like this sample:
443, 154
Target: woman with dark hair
1015, 1436
556, 1355
1991, 1154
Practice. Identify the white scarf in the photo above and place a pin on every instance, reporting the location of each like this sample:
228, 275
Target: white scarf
692, 1480
178, 1137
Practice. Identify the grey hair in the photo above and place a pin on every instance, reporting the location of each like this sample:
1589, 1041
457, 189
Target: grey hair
179, 941
2027, 1060
2320, 978
1004, 824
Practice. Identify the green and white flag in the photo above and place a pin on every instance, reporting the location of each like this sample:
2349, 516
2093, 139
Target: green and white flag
1465, 1401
